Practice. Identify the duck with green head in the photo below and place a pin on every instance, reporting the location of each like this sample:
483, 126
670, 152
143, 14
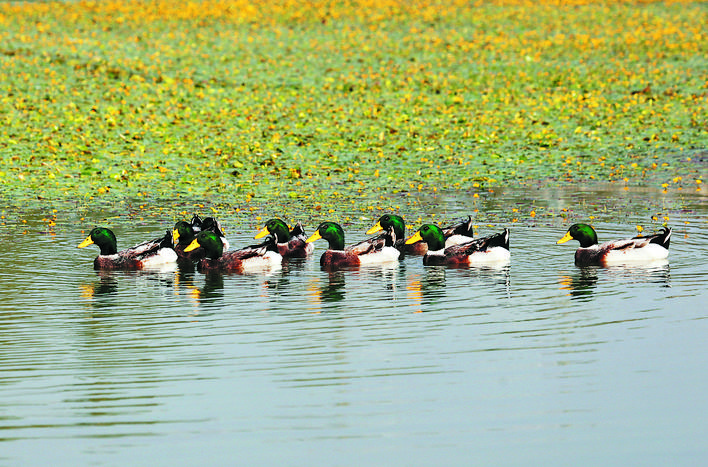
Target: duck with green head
456, 233
291, 243
263, 256
632, 250
153, 253
374, 250
493, 249
392, 221
184, 233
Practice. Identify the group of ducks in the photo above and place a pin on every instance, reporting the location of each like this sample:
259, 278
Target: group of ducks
203, 241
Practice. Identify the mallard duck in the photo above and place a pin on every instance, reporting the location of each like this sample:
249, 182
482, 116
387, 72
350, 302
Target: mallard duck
184, 233
392, 221
488, 250
210, 224
291, 243
637, 249
374, 250
248, 259
148, 254
455, 234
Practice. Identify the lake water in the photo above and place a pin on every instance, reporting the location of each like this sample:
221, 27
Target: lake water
535, 363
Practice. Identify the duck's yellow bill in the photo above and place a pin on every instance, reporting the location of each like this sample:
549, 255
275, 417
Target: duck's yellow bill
415, 238
374, 229
85, 243
262, 233
192, 246
313, 237
565, 238
175, 235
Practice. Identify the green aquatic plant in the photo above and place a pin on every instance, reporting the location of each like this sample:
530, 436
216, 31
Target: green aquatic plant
300, 103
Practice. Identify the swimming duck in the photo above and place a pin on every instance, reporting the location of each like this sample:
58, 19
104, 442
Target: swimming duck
392, 221
248, 259
636, 249
148, 254
210, 224
374, 250
184, 233
291, 243
487, 250
455, 234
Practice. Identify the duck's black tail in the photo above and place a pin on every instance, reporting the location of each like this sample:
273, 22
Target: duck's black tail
166, 241
297, 230
269, 243
663, 238
501, 239
196, 223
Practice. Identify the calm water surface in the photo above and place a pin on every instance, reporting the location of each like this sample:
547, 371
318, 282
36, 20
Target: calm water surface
535, 363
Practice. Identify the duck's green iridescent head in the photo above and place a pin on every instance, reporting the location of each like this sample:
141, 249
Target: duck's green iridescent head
389, 220
330, 231
183, 233
212, 244
275, 227
104, 238
430, 234
213, 225
581, 232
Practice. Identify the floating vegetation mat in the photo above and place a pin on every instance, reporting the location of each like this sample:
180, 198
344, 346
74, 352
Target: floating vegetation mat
242, 104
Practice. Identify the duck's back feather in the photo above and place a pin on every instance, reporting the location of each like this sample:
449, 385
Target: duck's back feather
457, 239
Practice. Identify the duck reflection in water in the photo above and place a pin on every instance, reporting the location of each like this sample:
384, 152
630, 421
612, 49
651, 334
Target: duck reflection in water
331, 292
492, 275
212, 289
581, 284
427, 290
278, 283
107, 284
657, 272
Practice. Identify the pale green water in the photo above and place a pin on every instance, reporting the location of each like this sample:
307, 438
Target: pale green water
537, 363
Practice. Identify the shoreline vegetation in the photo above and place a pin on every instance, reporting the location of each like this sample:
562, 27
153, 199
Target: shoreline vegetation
245, 103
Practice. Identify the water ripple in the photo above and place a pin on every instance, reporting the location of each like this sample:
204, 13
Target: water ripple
309, 354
